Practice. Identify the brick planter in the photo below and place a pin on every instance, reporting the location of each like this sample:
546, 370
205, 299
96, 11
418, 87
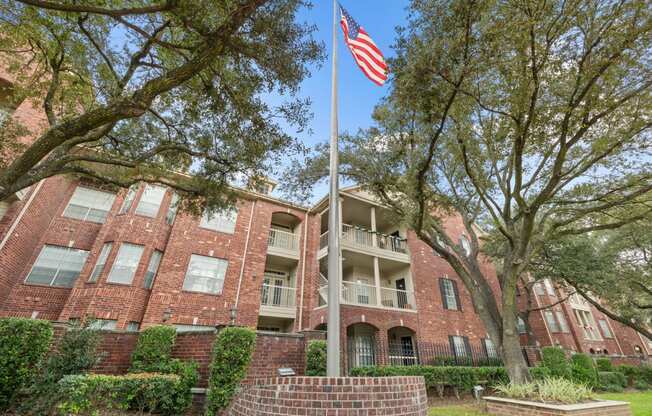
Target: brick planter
500, 406
359, 396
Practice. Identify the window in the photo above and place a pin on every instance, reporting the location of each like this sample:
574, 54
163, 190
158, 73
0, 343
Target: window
539, 289
585, 320
449, 294
89, 205
133, 326
465, 244
552, 323
150, 201
205, 274
459, 345
604, 326
172, 209
223, 221
57, 266
490, 348
193, 328
563, 325
152, 268
520, 326
125, 264
129, 199
549, 287
104, 324
101, 262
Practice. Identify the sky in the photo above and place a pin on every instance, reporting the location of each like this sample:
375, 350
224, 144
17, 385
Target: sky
357, 95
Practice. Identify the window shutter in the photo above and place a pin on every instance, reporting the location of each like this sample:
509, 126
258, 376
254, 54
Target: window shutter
442, 291
457, 295
467, 346
451, 344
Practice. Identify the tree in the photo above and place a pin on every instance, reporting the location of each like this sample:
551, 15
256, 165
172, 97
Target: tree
524, 120
612, 269
142, 90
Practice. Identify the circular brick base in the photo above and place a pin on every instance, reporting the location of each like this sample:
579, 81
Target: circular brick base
342, 396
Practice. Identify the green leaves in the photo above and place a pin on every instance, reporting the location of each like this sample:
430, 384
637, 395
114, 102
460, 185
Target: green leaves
23, 344
316, 358
232, 354
154, 347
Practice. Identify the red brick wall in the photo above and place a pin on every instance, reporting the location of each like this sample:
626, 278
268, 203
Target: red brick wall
359, 396
502, 408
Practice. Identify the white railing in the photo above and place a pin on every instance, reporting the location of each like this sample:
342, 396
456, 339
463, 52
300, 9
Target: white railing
359, 236
323, 290
395, 298
283, 240
359, 294
281, 296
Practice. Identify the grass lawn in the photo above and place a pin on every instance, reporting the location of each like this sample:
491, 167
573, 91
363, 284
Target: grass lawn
641, 404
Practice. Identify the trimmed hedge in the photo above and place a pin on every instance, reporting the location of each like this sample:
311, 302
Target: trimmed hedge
154, 347
554, 359
232, 354
316, 358
142, 392
612, 381
604, 364
461, 377
583, 371
23, 344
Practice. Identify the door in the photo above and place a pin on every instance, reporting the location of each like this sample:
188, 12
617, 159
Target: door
401, 294
278, 291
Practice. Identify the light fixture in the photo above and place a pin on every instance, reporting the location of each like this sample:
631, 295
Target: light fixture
167, 314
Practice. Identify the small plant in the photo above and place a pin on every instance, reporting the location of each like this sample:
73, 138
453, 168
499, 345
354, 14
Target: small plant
154, 347
554, 359
23, 344
549, 390
604, 364
641, 385
610, 380
316, 358
232, 354
583, 371
539, 373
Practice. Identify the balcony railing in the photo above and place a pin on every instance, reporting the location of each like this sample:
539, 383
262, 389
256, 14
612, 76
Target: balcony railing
283, 240
280, 296
354, 293
396, 298
359, 294
362, 237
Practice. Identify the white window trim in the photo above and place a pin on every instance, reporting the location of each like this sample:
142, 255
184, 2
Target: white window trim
223, 221
155, 269
154, 188
219, 262
101, 262
116, 261
25, 281
106, 209
449, 292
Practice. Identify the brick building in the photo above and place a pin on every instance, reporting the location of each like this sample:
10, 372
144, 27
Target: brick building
70, 249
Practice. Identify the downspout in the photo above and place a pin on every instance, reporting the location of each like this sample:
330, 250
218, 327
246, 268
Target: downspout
234, 311
20, 215
303, 267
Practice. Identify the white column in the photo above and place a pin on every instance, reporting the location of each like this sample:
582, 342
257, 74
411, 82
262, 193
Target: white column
377, 280
374, 240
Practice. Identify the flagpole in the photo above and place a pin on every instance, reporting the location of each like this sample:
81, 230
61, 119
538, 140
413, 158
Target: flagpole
333, 335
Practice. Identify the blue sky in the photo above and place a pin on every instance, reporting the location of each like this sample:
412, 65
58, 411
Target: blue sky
357, 95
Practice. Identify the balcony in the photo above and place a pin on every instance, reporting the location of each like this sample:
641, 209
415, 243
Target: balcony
360, 294
283, 243
277, 301
369, 242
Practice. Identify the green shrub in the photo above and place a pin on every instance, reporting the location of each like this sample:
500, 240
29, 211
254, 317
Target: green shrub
609, 379
154, 346
631, 373
232, 354
645, 373
463, 378
316, 358
641, 385
554, 359
539, 373
23, 344
552, 389
92, 394
604, 364
76, 353
583, 371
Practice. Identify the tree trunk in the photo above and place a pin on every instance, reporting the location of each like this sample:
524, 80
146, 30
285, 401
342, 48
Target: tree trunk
513, 358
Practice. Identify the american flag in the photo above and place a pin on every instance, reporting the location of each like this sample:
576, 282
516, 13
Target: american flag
364, 50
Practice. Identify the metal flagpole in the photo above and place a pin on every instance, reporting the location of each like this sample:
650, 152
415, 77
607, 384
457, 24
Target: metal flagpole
333, 335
